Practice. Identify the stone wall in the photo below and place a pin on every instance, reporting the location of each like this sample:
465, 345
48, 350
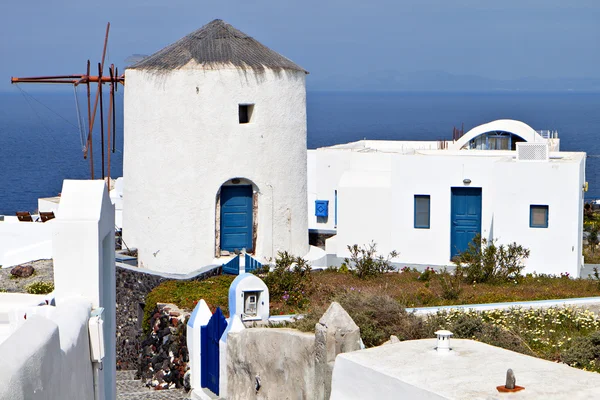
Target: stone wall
133, 285
272, 363
164, 356
267, 363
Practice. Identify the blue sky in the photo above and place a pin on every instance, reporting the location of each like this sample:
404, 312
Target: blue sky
337, 41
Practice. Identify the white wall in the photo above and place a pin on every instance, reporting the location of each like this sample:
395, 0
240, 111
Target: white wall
49, 358
24, 241
325, 170
84, 261
508, 190
47, 204
183, 140
116, 197
413, 370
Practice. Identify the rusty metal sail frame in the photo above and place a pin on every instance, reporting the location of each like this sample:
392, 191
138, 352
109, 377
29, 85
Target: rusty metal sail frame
113, 79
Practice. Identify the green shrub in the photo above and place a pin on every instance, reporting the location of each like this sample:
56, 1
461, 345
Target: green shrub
377, 316
485, 261
365, 263
426, 275
450, 283
584, 352
290, 280
40, 287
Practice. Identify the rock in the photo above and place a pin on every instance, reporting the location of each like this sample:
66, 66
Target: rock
510, 379
187, 384
335, 333
393, 339
22, 271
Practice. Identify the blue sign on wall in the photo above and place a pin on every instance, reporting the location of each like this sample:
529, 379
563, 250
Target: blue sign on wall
321, 208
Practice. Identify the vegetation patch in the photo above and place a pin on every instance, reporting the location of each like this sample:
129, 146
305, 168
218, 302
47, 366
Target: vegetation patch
186, 294
290, 283
561, 334
40, 287
408, 290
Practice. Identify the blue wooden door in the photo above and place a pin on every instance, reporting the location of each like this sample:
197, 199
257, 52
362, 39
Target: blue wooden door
465, 218
209, 346
236, 218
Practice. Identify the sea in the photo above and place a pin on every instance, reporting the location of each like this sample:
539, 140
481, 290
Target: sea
41, 142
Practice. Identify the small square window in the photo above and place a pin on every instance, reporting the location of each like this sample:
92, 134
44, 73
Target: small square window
422, 211
538, 216
245, 113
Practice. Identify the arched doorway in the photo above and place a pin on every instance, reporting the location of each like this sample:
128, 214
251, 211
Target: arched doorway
236, 213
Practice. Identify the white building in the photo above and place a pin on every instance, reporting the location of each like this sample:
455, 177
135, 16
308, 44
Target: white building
427, 200
214, 152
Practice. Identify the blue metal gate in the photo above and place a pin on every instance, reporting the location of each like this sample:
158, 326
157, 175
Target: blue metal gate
236, 218
251, 263
232, 267
465, 219
209, 347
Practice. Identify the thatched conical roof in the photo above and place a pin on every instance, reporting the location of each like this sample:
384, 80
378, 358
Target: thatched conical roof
215, 45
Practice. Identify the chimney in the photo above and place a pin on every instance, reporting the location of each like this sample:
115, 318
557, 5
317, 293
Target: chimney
443, 341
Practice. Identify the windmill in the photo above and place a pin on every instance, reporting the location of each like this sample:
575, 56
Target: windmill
113, 79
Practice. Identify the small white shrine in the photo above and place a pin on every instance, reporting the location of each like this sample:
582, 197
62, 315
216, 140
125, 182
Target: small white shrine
249, 298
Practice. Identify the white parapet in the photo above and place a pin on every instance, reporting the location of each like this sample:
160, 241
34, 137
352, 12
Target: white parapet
414, 370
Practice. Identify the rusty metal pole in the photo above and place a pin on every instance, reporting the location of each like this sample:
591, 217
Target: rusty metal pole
101, 119
99, 81
90, 125
110, 117
115, 88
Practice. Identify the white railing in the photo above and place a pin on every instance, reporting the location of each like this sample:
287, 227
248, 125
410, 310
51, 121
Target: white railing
548, 134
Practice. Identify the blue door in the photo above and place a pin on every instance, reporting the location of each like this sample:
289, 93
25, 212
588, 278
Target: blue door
236, 218
466, 218
209, 346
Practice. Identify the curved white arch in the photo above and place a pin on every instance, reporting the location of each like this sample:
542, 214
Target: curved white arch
515, 127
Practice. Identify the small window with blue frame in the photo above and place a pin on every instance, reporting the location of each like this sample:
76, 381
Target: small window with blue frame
422, 211
538, 216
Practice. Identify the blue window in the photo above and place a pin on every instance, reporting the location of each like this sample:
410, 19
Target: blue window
422, 211
538, 216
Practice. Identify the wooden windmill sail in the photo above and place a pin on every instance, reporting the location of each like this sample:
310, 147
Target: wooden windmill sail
113, 79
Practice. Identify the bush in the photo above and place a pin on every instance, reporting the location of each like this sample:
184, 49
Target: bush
474, 325
365, 263
485, 261
377, 316
451, 283
40, 287
584, 352
290, 280
426, 275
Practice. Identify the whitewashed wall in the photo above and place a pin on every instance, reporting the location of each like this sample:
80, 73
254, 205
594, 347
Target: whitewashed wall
386, 215
24, 241
48, 358
325, 170
183, 140
84, 261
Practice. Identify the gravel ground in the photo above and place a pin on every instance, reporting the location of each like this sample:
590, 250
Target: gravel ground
43, 272
129, 388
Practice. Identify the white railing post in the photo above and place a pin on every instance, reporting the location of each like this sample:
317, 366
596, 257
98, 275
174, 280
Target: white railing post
199, 318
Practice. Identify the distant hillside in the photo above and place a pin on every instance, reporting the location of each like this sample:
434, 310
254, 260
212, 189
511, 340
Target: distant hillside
444, 81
